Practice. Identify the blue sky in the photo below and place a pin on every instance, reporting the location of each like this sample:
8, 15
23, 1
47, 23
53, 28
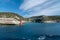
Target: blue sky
28, 8
10, 6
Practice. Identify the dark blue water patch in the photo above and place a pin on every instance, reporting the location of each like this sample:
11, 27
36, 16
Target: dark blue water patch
30, 31
10, 31
33, 29
52, 29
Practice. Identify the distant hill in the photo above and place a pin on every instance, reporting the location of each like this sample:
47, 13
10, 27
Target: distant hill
45, 18
10, 15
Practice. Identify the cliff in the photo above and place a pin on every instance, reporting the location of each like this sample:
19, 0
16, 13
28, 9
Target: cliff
45, 18
10, 15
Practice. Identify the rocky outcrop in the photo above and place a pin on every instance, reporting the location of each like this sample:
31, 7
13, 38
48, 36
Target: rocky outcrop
10, 18
45, 19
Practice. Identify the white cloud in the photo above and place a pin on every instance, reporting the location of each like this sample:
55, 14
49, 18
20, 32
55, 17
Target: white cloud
30, 3
49, 11
40, 7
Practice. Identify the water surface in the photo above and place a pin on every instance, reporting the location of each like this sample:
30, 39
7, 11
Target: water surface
30, 31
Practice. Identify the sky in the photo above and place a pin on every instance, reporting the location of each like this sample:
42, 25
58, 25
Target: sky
29, 8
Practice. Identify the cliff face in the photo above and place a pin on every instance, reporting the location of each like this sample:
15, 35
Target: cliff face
45, 18
10, 15
54, 18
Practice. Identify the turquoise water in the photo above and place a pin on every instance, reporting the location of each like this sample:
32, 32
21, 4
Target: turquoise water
30, 31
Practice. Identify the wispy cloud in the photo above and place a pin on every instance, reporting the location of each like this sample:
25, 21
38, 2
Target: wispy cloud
40, 7
30, 3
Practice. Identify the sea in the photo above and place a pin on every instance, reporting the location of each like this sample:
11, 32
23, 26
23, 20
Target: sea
30, 31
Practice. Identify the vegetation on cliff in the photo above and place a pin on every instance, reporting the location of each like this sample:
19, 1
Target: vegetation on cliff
45, 18
10, 15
